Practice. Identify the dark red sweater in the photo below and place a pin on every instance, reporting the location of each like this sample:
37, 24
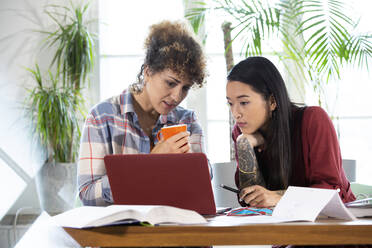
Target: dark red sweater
321, 166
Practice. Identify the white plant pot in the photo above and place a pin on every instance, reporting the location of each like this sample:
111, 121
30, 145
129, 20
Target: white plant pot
57, 187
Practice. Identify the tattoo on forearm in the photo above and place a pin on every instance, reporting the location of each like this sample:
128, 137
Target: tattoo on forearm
249, 172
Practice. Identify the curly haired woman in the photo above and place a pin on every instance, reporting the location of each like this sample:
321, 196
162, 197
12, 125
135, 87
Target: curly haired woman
129, 122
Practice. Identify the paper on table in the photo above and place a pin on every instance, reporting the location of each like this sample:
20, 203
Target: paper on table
337, 209
303, 203
298, 204
241, 220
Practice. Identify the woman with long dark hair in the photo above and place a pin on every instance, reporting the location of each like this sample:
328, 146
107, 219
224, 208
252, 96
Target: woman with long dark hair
277, 142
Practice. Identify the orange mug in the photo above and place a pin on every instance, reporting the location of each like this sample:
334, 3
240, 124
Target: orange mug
169, 131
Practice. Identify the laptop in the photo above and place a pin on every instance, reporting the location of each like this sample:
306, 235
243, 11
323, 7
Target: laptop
179, 180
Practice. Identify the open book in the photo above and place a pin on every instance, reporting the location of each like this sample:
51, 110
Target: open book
88, 216
303, 203
297, 204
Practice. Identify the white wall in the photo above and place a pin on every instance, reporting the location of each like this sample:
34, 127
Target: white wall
19, 48
17, 52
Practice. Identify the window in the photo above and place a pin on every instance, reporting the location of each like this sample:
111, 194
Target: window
354, 108
124, 26
352, 117
349, 107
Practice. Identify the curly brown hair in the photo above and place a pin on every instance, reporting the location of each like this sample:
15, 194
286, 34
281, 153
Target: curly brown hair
171, 45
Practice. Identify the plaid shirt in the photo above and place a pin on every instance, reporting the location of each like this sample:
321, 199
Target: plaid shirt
112, 127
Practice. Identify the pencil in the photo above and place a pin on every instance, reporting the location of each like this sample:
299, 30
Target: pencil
229, 188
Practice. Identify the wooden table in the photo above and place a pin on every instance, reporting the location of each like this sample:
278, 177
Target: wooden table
326, 232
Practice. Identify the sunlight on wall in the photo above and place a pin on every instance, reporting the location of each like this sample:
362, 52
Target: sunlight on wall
124, 26
12, 180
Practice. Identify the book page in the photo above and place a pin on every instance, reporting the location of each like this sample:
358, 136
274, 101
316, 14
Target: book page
114, 213
89, 216
303, 203
79, 217
336, 208
168, 214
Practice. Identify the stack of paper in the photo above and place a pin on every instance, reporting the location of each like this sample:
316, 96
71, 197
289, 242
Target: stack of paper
360, 208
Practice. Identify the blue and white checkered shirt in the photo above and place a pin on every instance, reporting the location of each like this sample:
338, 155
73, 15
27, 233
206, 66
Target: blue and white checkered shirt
112, 127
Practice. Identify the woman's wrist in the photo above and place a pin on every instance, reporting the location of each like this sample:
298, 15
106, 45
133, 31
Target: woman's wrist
244, 138
280, 192
254, 140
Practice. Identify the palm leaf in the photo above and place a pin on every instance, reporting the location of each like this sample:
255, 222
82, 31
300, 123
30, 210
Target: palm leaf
74, 44
325, 30
360, 48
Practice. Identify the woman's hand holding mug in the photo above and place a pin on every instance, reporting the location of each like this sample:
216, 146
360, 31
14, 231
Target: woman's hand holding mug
172, 139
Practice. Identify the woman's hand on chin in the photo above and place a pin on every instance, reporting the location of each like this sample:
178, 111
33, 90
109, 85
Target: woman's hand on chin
254, 139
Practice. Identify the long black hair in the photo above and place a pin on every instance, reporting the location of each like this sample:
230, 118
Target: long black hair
276, 160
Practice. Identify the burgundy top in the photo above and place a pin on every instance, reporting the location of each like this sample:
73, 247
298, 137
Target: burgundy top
321, 166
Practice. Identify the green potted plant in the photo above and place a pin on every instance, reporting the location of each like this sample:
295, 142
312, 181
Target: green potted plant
52, 110
55, 105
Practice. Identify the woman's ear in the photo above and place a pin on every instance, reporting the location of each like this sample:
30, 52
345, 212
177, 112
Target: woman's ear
146, 72
272, 102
